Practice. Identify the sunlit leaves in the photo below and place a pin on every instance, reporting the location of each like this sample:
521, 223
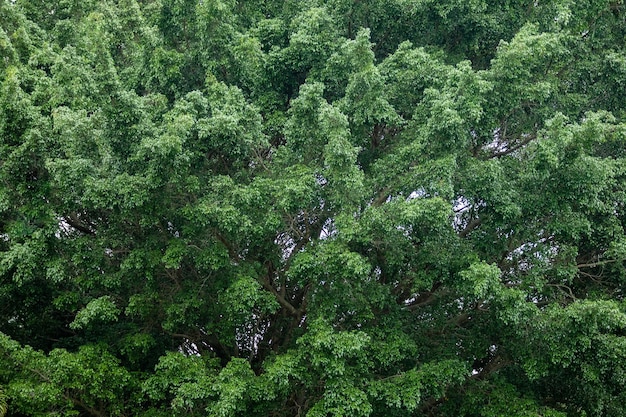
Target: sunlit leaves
405, 391
101, 309
63, 380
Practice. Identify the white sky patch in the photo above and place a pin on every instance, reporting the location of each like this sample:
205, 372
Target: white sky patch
328, 230
172, 229
64, 228
419, 193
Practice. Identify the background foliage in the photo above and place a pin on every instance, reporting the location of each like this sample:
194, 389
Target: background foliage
320, 208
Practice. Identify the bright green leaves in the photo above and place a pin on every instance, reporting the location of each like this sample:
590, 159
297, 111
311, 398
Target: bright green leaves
233, 387
330, 349
100, 310
20, 38
481, 284
302, 130
482, 279
224, 208
337, 358
85, 381
448, 118
520, 83
81, 134
184, 382
389, 234
341, 399
17, 112
339, 278
248, 62
169, 145
489, 184
366, 105
567, 165
22, 260
318, 136
7, 50
406, 391
408, 72
571, 332
351, 57
300, 47
351, 72
313, 35
235, 126
85, 153
298, 189
163, 72
528, 50
243, 302
232, 56
344, 177
84, 76
219, 130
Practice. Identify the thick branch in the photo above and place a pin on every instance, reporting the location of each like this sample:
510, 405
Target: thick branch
427, 298
382, 197
77, 224
513, 148
84, 406
564, 289
595, 264
473, 224
281, 300
232, 253
495, 364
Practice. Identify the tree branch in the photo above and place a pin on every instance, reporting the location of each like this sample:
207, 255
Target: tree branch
281, 300
232, 253
381, 198
595, 264
496, 363
513, 148
473, 224
73, 220
426, 298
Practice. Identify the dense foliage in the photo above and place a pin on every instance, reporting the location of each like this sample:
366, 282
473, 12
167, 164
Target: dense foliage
320, 208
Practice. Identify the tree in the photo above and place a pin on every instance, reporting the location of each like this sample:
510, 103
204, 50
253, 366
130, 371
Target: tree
325, 208
3, 404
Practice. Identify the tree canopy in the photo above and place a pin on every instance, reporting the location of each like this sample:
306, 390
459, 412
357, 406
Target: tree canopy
312, 208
